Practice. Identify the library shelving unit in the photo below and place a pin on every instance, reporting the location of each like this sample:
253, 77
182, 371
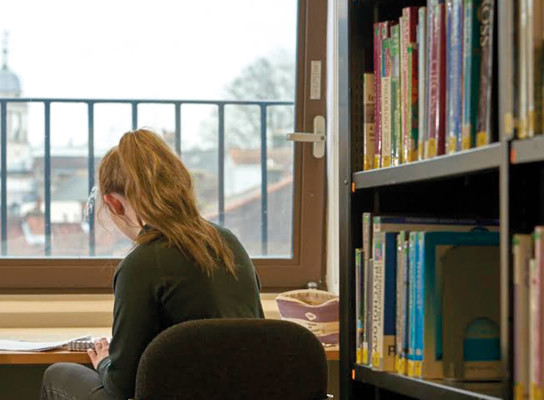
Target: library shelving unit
503, 180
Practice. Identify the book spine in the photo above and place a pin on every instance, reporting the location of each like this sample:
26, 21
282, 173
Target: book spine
436, 78
386, 95
369, 121
534, 331
422, 81
538, 342
377, 94
377, 302
367, 263
387, 360
483, 135
404, 85
471, 72
412, 109
412, 361
396, 146
419, 306
534, 66
367, 354
522, 250
358, 304
523, 39
455, 80
402, 280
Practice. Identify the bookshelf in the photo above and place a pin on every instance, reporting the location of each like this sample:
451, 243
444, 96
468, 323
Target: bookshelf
494, 181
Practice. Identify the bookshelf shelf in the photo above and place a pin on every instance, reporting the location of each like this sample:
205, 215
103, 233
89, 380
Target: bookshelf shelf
527, 150
462, 163
428, 390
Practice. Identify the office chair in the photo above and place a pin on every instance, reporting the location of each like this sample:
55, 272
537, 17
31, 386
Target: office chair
231, 359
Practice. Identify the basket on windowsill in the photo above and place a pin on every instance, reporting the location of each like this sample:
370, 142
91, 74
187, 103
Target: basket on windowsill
314, 309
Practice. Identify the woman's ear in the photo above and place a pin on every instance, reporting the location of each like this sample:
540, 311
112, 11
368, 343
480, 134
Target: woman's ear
114, 204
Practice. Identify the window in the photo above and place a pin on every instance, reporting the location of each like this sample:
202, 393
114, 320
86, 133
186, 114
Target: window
221, 90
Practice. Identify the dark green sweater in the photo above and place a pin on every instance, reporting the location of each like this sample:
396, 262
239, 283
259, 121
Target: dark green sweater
156, 287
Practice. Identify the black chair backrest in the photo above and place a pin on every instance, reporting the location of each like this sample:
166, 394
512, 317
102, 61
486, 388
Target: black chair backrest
233, 359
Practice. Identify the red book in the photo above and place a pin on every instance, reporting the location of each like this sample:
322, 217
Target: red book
377, 94
437, 79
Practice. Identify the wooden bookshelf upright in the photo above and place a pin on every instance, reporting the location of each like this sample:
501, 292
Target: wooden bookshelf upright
503, 180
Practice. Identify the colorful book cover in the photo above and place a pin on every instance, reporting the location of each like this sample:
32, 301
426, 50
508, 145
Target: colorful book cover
472, 56
455, 78
383, 318
487, 12
522, 247
369, 118
395, 96
386, 115
410, 79
377, 94
359, 326
403, 87
402, 302
422, 81
472, 325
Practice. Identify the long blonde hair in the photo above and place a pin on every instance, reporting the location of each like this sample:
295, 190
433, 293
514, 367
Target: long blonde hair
159, 187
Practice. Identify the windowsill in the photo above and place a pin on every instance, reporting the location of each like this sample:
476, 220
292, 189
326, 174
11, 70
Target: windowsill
75, 310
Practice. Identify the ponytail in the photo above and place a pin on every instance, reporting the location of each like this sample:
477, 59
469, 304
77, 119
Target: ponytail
153, 179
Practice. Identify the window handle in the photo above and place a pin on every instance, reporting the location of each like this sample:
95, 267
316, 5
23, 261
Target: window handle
317, 137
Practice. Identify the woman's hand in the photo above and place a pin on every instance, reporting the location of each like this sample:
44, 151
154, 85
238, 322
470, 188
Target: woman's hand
100, 351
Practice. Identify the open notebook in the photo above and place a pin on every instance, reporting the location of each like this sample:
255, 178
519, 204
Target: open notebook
74, 344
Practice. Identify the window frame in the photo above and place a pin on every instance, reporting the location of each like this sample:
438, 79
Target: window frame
94, 275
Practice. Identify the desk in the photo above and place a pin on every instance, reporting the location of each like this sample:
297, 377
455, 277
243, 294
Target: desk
50, 357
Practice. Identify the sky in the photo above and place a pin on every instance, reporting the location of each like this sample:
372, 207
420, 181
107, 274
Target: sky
165, 49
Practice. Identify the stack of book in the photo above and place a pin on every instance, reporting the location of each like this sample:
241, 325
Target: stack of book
428, 297
430, 91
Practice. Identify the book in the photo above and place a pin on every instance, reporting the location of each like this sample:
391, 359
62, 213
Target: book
413, 361
369, 121
409, 75
471, 72
436, 280
536, 294
386, 114
401, 341
487, 17
368, 267
396, 136
454, 58
422, 81
436, 78
384, 301
377, 94
522, 69
534, 48
359, 326
522, 248
72, 344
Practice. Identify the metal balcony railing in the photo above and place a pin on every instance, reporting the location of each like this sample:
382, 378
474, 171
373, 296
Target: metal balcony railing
134, 103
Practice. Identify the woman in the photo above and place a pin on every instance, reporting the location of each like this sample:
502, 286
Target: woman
182, 267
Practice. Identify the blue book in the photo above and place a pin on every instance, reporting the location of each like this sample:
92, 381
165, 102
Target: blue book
384, 301
454, 57
411, 354
434, 249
